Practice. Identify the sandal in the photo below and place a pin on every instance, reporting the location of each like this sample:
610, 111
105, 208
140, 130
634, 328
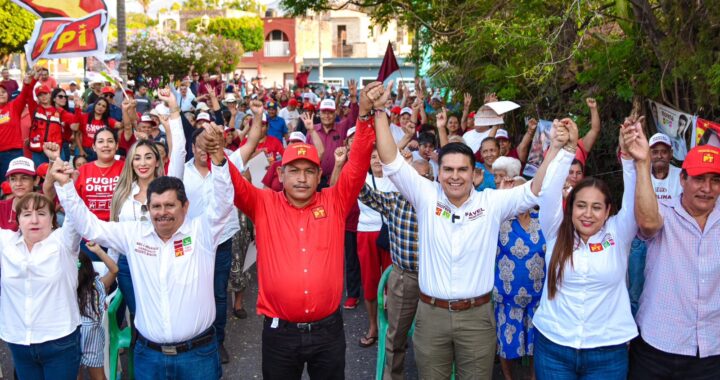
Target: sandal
369, 341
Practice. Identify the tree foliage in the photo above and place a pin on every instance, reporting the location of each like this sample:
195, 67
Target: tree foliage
246, 30
139, 21
16, 26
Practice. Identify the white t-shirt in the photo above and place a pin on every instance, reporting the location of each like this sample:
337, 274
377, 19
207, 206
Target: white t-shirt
290, 117
397, 132
370, 220
473, 139
668, 188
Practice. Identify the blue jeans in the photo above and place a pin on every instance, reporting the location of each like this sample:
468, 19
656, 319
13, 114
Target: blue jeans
54, 359
5, 158
126, 287
198, 363
556, 362
223, 261
636, 273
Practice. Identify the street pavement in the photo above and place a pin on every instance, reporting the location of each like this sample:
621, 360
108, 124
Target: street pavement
243, 342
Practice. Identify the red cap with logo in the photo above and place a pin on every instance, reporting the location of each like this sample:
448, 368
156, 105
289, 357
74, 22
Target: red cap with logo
42, 89
701, 160
108, 90
296, 152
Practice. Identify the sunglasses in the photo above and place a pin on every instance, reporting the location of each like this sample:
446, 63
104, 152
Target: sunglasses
143, 213
61, 96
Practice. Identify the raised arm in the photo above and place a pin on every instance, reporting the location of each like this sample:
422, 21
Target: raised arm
555, 168
221, 205
175, 135
341, 154
108, 279
524, 147
108, 234
467, 101
592, 135
441, 120
647, 214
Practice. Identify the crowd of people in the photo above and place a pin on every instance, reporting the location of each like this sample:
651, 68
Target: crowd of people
122, 189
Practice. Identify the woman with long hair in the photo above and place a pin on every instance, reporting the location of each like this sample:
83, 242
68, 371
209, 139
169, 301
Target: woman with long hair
60, 101
129, 202
583, 323
90, 124
39, 315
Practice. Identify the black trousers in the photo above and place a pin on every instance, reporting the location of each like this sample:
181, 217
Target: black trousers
352, 265
647, 362
286, 349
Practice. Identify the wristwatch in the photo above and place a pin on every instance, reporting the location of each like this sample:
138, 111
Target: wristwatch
367, 116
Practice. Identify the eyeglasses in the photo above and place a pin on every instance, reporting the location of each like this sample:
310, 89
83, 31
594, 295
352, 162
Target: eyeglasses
143, 213
61, 96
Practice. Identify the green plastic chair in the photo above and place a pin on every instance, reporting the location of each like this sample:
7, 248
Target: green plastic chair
119, 338
383, 326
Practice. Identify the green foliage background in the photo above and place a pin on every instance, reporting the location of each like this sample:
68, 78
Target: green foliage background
16, 26
246, 30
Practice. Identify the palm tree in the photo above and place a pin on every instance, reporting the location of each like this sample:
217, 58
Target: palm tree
122, 43
145, 4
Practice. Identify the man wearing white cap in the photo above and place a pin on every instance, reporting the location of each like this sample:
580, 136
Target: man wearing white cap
333, 133
666, 183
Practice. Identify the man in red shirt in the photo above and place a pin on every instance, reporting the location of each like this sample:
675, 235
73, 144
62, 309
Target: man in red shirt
11, 141
301, 274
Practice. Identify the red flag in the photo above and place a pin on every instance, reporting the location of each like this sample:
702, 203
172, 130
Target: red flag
707, 133
62, 8
66, 37
43, 33
389, 64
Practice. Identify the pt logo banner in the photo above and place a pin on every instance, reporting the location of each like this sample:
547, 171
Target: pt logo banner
66, 37
62, 8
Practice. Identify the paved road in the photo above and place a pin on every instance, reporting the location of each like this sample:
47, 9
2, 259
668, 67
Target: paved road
243, 344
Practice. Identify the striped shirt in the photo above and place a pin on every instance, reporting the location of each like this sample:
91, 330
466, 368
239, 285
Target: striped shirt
402, 225
680, 304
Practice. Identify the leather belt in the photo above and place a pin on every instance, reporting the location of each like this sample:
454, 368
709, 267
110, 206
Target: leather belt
455, 305
203, 339
307, 326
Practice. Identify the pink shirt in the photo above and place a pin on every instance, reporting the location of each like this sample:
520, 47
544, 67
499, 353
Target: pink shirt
680, 304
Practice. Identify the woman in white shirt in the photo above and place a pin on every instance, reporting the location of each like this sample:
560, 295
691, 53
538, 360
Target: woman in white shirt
39, 314
142, 166
584, 322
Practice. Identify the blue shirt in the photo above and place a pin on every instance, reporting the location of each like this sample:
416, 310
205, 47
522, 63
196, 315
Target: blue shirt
488, 178
277, 127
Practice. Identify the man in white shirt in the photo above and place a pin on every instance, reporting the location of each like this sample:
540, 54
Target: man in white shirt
486, 121
171, 262
666, 183
454, 320
183, 95
290, 114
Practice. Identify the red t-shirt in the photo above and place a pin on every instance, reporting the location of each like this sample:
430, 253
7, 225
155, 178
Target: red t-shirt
96, 186
272, 148
271, 179
7, 216
89, 126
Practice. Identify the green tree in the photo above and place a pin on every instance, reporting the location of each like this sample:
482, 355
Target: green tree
139, 21
145, 4
175, 7
246, 30
194, 5
16, 26
247, 6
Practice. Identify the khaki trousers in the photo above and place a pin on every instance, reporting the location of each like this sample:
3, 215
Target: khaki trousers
466, 337
402, 298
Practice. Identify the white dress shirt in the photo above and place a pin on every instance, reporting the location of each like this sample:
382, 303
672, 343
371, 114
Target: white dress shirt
457, 246
173, 280
199, 193
591, 307
184, 102
39, 287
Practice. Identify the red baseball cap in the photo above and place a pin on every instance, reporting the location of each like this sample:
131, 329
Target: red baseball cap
108, 90
701, 160
43, 169
42, 89
471, 115
309, 107
396, 110
293, 102
296, 152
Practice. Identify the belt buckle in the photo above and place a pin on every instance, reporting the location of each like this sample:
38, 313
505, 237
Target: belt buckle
305, 326
169, 350
450, 305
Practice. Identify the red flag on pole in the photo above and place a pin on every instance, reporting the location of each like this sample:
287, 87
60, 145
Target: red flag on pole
389, 64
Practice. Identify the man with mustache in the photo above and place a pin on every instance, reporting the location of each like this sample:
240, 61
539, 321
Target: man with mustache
171, 258
300, 236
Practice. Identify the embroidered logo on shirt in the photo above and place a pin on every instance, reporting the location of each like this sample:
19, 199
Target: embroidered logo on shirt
606, 242
319, 212
178, 244
595, 247
443, 211
147, 250
472, 215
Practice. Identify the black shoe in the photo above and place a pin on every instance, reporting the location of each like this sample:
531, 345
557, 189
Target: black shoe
224, 357
240, 313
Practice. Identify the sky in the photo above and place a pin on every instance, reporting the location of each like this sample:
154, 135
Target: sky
155, 6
